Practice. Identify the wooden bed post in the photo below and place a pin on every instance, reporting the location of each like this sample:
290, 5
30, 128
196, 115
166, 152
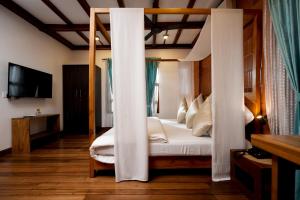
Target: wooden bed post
92, 57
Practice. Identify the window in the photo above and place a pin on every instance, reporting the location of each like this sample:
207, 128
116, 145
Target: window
155, 100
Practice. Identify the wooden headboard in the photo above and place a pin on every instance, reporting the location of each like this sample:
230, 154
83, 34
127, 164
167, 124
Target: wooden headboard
252, 68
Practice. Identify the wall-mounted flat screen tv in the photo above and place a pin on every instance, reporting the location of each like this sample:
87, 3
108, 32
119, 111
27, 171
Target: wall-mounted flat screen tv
27, 82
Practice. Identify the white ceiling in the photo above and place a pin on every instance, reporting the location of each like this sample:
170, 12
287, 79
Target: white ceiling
74, 12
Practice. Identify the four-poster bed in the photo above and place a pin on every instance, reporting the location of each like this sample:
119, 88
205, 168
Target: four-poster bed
155, 162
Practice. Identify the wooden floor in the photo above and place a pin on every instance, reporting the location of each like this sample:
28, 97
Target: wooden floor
60, 171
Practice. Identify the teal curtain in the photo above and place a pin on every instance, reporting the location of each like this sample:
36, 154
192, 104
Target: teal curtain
286, 21
151, 71
109, 71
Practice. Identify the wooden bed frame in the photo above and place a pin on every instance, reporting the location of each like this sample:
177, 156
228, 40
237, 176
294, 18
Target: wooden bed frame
159, 162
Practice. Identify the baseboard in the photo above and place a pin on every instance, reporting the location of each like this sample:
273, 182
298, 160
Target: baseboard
5, 151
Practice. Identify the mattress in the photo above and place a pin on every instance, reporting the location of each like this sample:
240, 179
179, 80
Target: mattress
181, 142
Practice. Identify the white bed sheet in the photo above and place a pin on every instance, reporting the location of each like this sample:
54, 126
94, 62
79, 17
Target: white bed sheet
181, 142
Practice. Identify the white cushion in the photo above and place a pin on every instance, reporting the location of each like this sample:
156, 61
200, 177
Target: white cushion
183, 107
192, 111
202, 121
249, 117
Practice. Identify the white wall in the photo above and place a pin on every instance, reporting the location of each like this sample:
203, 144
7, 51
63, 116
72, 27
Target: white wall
169, 81
23, 44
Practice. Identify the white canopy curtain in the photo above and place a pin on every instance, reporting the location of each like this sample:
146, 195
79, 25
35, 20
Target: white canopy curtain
228, 130
186, 80
129, 86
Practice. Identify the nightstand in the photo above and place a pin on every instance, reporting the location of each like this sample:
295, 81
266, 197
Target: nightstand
253, 174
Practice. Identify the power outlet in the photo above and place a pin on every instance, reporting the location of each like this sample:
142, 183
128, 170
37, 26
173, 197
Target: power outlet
4, 94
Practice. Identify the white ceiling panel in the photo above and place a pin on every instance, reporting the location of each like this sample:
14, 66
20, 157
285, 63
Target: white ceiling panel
103, 3
138, 3
40, 11
187, 36
73, 37
72, 10
104, 18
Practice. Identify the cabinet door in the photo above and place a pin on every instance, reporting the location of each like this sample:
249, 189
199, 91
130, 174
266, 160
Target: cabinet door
68, 97
76, 98
83, 87
71, 98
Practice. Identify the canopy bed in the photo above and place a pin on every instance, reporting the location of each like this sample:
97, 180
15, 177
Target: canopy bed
126, 146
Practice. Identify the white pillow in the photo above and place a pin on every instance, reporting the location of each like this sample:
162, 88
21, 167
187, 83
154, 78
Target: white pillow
192, 111
200, 99
249, 117
183, 107
202, 121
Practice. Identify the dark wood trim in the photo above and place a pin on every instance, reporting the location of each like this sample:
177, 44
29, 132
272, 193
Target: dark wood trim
21, 12
148, 46
5, 151
121, 3
63, 17
85, 27
85, 6
56, 11
184, 19
167, 162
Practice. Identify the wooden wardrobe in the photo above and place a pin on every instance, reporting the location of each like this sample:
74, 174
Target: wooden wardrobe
75, 98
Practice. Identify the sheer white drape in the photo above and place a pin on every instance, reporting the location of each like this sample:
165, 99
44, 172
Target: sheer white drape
280, 100
228, 131
186, 80
129, 89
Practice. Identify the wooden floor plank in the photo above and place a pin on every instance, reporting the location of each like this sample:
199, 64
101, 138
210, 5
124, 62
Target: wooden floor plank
59, 170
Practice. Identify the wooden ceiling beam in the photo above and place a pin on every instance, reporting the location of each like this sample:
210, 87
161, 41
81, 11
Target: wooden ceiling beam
154, 19
64, 18
85, 6
102, 29
121, 3
184, 19
147, 46
85, 27
21, 12
195, 39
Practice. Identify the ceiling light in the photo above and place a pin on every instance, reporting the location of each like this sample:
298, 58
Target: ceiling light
166, 36
97, 38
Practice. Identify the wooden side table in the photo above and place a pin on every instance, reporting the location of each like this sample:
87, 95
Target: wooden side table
285, 150
254, 176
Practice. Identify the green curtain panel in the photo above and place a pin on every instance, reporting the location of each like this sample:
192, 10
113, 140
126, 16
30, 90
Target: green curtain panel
151, 71
109, 70
286, 21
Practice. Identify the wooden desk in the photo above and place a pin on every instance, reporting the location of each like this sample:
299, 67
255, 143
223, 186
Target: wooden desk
285, 161
22, 138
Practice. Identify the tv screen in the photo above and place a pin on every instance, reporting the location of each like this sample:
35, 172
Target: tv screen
26, 82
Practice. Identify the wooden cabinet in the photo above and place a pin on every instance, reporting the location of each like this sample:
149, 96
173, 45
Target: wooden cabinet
22, 138
254, 176
75, 98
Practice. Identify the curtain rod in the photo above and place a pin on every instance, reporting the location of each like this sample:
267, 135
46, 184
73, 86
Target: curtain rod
188, 11
157, 60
